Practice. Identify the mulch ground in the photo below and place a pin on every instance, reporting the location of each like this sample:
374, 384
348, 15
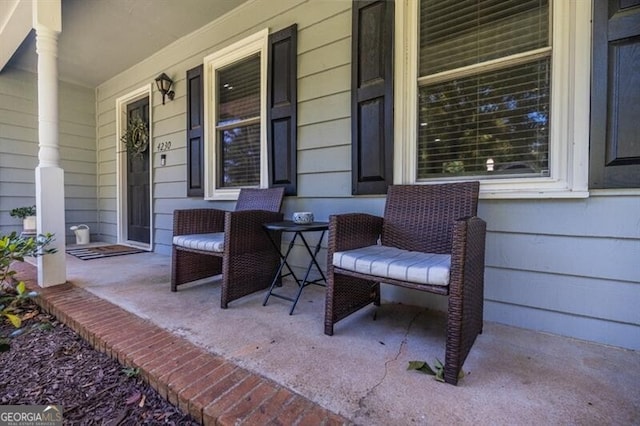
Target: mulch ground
50, 364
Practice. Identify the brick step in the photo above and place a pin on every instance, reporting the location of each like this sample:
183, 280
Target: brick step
212, 389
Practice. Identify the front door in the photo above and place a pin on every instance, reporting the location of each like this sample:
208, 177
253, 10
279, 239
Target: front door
138, 194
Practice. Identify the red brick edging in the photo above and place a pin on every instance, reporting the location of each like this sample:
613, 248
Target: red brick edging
210, 388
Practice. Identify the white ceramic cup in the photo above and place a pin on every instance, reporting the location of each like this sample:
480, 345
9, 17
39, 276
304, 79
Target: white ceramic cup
302, 217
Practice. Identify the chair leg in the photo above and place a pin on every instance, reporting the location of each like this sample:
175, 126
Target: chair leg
328, 329
247, 273
174, 265
346, 295
376, 294
464, 323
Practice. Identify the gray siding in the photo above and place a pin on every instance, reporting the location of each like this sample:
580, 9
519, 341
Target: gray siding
569, 267
19, 149
18, 144
564, 266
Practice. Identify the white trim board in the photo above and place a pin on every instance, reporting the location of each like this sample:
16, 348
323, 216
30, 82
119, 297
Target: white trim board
121, 165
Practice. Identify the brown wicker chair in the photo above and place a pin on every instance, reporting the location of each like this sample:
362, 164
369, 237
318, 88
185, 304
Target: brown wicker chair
208, 242
432, 224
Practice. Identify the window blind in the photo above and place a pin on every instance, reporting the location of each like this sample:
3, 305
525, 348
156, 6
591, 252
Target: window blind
493, 121
457, 33
498, 119
238, 123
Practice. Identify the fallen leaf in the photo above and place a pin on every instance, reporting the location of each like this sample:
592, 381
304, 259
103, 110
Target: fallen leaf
421, 366
141, 404
30, 315
15, 320
133, 398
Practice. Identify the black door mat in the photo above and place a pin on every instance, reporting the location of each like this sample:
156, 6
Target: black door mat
100, 252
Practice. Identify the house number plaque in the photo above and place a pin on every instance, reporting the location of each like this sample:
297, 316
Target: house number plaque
164, 146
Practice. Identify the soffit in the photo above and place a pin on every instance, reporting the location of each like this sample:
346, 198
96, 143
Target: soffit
102, 38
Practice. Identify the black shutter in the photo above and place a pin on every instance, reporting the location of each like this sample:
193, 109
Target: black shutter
615, 95
195, 133
372, 96
282, 100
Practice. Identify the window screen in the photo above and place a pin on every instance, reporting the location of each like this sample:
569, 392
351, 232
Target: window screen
484, 88
238, 123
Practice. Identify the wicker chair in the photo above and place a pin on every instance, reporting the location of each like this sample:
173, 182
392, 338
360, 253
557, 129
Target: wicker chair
429, 240
208, 242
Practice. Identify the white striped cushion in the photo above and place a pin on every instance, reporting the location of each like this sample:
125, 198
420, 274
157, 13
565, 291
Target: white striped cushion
391, 262
206, 242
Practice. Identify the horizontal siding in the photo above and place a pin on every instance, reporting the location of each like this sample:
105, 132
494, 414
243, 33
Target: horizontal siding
78, 148
327, 108
323, 160
19, 149
579, 327
13, 117
16, 175
171, 173
325, 83
325, 134
324, 32
596, 216
580, 296
19, 134
605, 258
569, 267
164, 221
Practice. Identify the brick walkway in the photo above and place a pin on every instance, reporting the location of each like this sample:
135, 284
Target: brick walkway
210, 388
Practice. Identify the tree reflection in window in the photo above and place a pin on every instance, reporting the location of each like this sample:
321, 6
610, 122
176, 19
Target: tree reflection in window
238, 123
502, 116
240, 156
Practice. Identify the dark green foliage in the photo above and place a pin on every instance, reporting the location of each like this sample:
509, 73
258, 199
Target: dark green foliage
14, 248
22, 212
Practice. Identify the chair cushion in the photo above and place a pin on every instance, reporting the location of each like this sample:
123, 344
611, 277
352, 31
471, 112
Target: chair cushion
392, 262
206, 242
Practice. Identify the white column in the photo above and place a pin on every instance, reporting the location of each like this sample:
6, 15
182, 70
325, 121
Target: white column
49, 174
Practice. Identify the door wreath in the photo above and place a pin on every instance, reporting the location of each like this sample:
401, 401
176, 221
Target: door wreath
136, 137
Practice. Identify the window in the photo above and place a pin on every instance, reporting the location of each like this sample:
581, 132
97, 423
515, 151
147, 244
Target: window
235, 90
238, 123
497, 91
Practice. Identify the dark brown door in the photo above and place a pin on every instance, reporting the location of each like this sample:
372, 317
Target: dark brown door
138, 222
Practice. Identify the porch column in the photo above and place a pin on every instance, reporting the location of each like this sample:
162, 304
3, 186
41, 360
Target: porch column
49, 175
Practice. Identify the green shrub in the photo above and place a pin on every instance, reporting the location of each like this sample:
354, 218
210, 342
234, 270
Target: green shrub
14, 248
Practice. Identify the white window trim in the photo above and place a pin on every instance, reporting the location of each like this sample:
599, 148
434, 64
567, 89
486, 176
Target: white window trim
570, 91
256, 43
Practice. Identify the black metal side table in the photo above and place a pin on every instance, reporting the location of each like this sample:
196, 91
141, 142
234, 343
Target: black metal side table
298, 229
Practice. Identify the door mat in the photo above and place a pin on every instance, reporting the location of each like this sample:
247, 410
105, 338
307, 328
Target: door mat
101, 252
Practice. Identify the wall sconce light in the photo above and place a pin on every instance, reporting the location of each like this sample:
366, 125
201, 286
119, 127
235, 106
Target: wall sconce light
163, 160
164, 84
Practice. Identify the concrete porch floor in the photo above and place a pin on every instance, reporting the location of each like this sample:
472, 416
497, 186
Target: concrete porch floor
514, 376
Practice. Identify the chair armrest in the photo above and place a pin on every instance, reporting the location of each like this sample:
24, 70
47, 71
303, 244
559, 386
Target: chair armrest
197, 221
244, 232
468, 250
353, 230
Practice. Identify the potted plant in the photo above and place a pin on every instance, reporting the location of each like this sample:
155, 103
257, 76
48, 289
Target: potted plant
28, 216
